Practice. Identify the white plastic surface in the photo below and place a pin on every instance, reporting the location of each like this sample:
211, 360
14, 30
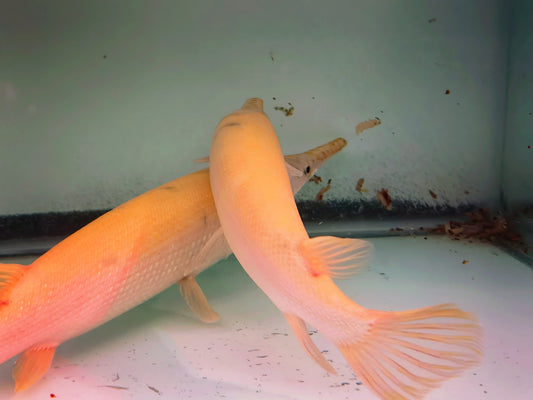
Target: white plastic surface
160, 351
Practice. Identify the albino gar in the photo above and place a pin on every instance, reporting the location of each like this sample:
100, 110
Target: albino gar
398, 355
166, 235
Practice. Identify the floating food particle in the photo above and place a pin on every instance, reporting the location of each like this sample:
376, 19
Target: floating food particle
467, 192
447, 91
431, 20
362, 126
528, 147
359, 186
384, 198
433, 194
465, 261
320, 195
287, 111
316, 179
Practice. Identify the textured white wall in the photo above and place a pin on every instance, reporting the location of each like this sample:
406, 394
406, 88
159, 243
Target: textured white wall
100, 101
518, 155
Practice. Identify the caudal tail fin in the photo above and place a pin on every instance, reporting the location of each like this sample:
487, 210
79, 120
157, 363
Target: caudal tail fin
405, 354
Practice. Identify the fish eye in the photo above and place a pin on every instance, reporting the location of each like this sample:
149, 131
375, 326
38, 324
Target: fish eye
307, 169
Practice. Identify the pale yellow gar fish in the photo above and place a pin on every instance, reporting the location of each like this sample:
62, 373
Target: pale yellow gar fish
165, 236
398, 355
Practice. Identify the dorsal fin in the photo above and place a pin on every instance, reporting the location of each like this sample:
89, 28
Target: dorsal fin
253, 104
10, 274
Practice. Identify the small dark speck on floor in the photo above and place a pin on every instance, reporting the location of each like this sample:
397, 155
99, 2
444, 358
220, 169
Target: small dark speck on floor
153, 389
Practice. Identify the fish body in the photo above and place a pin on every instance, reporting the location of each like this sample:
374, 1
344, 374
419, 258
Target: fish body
164, 236
398, 355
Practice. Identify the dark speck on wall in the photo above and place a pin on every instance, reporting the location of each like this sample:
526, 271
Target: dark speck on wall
447, 91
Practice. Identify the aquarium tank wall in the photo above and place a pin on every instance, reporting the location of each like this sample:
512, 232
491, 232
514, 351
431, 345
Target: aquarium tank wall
101, 101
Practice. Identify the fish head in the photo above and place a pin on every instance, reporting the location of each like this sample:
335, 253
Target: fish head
254, 104
301, 167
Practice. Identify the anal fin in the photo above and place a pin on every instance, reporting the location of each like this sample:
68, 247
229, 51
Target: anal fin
32, 365
10, 274
300, 330
195, 298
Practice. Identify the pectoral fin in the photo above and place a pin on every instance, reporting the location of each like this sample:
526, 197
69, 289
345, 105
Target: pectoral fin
336, 257
300, 330
196, 300
32, 365
10, 274
215, 249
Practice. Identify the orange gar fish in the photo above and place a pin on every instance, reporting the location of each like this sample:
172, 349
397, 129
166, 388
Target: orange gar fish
398, 355
166, 235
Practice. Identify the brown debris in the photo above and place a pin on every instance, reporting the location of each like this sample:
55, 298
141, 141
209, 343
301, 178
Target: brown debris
363, 126
115, 387
320, 194
433, 194
384, 198
480, 226
465, 261
153, 389
359, 186
316, 179
287, 111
